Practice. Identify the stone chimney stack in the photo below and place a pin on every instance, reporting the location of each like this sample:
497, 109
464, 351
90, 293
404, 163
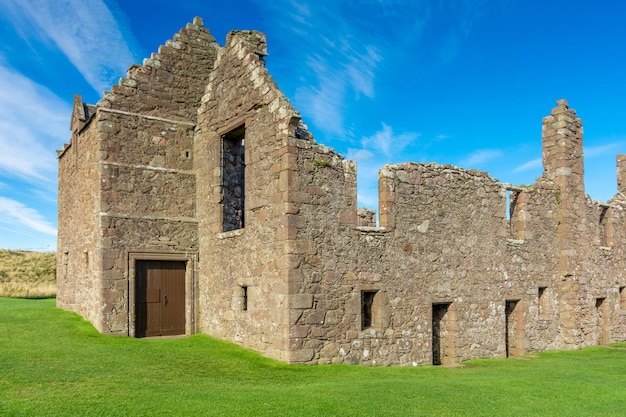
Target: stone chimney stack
562, 144
621, 174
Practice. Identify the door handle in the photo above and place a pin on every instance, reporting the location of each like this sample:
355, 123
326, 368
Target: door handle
165, 299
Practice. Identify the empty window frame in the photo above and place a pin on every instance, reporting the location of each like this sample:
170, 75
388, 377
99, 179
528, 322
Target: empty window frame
511, 199
370, 310
604, 227
244, 298
233, 179
515, 212
543, 302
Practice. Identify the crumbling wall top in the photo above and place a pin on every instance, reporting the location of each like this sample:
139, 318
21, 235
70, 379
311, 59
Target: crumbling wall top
255, 40
398, 170
406, 185
562, 146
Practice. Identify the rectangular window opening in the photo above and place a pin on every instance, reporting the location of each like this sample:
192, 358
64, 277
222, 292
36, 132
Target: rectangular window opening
508, 205
244, 298
514, 213
622, 298
543, 302
368, 309
605, 233
233, 179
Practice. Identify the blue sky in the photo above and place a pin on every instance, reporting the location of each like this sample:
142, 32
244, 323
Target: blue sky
462, 82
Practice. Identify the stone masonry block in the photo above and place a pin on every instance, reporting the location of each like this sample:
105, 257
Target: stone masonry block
301, 355
301, 301
305, 247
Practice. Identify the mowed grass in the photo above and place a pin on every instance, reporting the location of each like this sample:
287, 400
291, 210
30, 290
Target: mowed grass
27, 274
52, 363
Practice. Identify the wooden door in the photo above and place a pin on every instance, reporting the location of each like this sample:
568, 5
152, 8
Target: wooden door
159, 298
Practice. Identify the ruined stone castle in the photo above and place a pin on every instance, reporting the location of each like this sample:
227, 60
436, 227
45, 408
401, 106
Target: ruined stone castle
192, 198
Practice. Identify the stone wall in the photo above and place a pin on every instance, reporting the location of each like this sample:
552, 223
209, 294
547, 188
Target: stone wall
321, 248
509, 283
248, 263
141, 176
78, 204
408, 263
147, 181
198, 156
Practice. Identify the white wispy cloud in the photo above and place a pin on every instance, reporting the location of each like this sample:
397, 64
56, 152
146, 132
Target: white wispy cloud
80, 29
324, 100
341, 59
12, 212
458, 18
340, 63
33, 123
480, 157
339, 71
532, 164
599, 150
360, 67
386, 142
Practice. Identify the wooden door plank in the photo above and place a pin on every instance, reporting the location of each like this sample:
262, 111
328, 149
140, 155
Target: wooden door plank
140, 299
173, 298
153, 310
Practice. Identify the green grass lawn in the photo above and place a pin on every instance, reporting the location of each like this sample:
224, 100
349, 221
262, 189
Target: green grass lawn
52, 363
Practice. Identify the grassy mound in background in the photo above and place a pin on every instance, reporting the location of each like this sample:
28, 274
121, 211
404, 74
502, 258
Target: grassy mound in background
27, 274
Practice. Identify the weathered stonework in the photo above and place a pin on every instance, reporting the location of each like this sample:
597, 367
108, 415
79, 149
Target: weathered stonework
197, 156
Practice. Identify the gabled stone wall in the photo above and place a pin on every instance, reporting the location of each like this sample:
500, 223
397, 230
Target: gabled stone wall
141, 183
253, 260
